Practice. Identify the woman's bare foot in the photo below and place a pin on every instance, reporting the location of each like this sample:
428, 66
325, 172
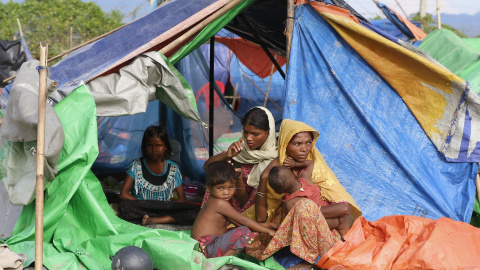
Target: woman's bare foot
146, 220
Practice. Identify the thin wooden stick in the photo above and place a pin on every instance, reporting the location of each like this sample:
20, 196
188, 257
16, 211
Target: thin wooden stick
39, 203
71, 37
187, 35
289, 27
235, 93
269, 83
263, 93
20, 27
439, 20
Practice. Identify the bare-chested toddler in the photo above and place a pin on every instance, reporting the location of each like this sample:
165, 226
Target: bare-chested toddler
210, 227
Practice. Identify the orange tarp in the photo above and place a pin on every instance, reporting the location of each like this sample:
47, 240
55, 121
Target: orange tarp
252, 56
406, 242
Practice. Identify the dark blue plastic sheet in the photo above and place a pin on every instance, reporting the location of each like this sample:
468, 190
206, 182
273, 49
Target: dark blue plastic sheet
368, 136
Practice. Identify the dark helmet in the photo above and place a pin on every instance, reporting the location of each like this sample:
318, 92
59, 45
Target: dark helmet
132, 258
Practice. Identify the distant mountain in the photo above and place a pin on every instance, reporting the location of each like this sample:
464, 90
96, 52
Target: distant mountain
468, 24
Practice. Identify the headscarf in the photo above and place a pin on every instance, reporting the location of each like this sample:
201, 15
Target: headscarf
262, 157
322, 175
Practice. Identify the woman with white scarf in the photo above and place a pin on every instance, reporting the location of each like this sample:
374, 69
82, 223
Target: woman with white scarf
252, 153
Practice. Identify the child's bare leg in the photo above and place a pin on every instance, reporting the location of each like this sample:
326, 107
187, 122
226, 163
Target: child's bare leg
231, 252
335, 210
343, 225
332, 223
157, 220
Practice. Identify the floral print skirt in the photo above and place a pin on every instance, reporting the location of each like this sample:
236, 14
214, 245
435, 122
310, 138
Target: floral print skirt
304, 229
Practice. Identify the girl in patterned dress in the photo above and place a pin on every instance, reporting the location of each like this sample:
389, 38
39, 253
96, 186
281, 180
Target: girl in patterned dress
153, 177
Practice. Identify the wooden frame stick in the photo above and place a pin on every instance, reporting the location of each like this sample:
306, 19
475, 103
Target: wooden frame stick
39, 196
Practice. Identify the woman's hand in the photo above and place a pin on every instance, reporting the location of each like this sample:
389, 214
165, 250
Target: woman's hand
289, 163
242, 195
235, 148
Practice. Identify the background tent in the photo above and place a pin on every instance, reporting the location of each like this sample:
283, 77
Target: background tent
408, 28
459, 55
390, 28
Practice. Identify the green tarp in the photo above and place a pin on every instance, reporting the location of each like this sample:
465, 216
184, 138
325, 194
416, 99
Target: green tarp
81, 231
459, 55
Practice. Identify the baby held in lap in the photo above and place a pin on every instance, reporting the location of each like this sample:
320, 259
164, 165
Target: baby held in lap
283, 180
210, 227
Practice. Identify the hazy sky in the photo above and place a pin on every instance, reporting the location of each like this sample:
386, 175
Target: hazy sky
365, 7
369, 9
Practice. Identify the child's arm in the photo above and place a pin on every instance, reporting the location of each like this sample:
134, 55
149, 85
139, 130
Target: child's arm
261, 205
224, 208
307, 173
336, 210
290, 203
125, 191
181, 193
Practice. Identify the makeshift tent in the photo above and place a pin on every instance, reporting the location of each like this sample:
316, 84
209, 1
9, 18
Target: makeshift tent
387, 26
408, 28
459, 55
120, 137
368, 105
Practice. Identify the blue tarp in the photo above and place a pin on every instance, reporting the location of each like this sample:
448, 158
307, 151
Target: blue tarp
121, 46
368, 136
390, 28
392, 16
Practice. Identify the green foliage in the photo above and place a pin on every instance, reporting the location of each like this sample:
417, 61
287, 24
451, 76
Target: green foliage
429, 24
50, 21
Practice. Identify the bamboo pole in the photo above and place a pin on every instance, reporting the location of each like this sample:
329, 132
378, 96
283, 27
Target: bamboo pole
39, 196
20, 27
71, 38
269, 83
235, 93
289, 27
263, 93
187, 35
439, 20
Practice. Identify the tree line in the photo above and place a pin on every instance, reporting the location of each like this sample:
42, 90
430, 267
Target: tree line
61, 24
